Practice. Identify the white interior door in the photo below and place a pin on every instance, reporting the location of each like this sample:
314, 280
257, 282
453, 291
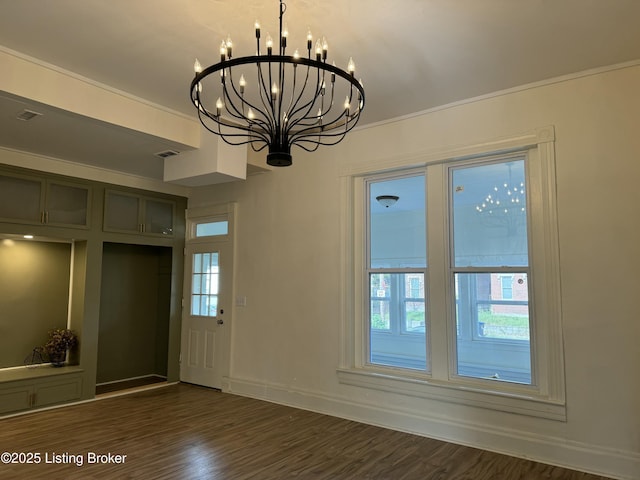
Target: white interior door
206, 312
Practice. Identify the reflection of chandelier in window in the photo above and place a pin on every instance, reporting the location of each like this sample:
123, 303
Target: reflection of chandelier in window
504, 206
509, 199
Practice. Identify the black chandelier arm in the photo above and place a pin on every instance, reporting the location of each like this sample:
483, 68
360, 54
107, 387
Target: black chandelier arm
239, 113
310, 105
225, 136
293, 107
265, 93
256, 134
261, 133
322, 136
327, 129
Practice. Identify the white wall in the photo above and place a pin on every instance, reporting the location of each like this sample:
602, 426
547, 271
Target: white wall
287, 340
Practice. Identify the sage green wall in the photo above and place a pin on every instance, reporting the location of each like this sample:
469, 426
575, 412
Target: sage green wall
134, 311
34, 298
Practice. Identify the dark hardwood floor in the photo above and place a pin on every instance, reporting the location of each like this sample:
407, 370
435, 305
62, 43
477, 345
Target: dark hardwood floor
188, 432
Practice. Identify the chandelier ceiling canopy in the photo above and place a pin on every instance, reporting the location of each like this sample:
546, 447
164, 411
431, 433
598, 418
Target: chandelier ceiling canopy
275, 100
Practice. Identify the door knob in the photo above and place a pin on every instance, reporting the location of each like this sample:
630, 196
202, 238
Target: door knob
220, 321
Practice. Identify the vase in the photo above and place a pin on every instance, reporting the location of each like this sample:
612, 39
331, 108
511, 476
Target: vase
58, 359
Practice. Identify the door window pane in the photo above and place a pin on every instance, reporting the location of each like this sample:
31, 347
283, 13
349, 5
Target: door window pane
489, 215
204, 284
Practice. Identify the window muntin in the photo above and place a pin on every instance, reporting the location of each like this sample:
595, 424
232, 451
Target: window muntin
397, 323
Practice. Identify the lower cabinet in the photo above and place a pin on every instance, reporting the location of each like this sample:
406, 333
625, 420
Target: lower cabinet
41, 392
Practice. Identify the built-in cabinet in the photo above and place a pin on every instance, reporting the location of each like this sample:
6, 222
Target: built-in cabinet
39, 392
94, 214
125, 212
36, 200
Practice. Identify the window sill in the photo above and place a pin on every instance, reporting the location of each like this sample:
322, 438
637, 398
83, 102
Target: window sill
386, 381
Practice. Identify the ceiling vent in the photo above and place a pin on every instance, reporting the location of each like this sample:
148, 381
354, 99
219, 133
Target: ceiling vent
26, 115
167, 153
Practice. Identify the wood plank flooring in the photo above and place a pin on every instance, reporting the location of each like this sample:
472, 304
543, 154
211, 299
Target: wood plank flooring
188, 432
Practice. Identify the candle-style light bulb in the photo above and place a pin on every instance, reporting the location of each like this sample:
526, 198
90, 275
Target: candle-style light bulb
243, 83
351, 67
347, 104
318, 50
296, 54
325, 48
219, 106
223, 51
251, 115
309, 40
257, 25
285, 34
197, 67
269, 43
229, 46
274, 90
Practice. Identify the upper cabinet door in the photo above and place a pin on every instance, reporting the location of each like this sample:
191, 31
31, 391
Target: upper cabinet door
130, 213
21, 199
67, 204
33, 200
158, 217
122, 212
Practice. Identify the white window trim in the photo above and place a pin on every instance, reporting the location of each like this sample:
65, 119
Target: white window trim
546, 399
215, 213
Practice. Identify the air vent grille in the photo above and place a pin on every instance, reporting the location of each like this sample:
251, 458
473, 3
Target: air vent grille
167, 153
26, 115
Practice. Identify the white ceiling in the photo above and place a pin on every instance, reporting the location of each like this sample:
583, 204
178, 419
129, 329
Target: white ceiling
411, 54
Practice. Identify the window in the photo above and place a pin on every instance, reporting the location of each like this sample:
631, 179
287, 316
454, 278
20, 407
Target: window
447, 302
396, 272
204, 284
488, 215
210, 229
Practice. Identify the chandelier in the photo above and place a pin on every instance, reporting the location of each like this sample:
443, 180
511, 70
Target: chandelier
277, 100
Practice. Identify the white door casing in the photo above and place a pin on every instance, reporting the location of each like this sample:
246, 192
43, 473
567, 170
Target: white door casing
207, 306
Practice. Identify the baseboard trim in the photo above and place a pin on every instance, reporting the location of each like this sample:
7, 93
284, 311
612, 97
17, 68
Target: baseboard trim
595, 459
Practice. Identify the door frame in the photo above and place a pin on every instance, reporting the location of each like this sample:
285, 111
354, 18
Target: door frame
194, 216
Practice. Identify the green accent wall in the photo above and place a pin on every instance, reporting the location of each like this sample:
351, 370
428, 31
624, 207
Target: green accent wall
34, 295
134, 311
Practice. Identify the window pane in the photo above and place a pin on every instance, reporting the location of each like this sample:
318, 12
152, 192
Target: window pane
397, 320
493, 332
489, 215
398, 232
205, 284
210, 229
